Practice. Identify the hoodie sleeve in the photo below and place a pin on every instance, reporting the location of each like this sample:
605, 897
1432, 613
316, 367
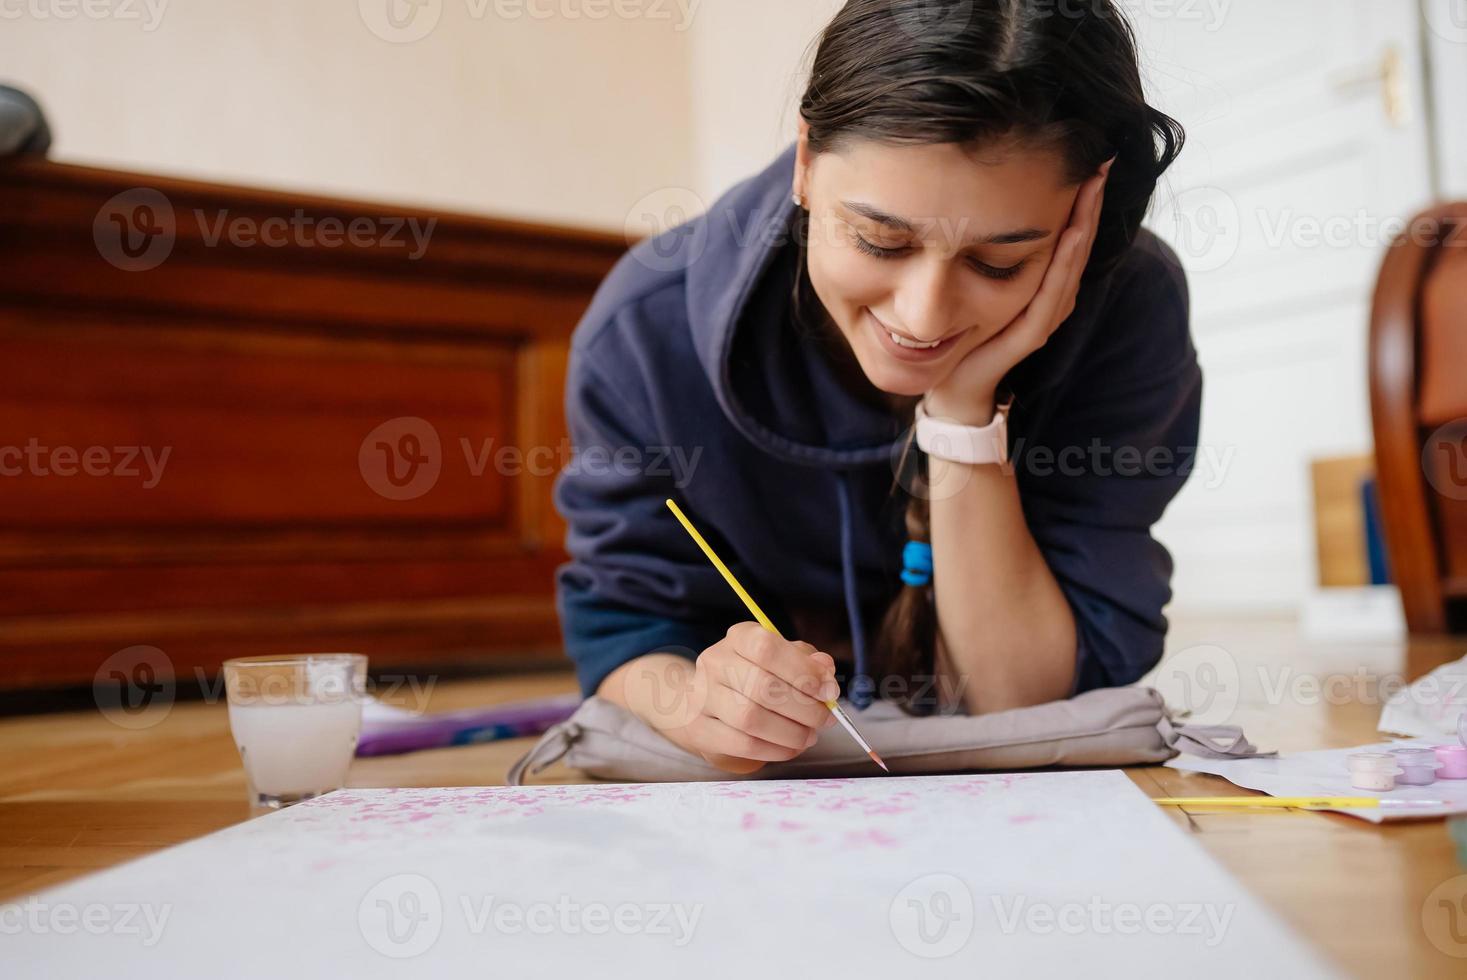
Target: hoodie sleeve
1117, 449
635, 582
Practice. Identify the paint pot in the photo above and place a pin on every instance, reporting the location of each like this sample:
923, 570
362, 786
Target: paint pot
1418, 766
1454, 761
1373, 770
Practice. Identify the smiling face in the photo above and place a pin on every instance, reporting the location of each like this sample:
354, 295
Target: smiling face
916, 246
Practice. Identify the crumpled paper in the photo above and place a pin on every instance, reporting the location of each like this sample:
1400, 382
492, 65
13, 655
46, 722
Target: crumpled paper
1431, 706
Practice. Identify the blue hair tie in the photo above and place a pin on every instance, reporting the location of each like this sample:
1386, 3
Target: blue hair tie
917, 563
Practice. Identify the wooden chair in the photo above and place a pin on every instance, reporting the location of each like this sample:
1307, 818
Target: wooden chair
1418, 400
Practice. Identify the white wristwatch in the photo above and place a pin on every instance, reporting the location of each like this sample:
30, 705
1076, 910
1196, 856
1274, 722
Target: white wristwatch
965, 443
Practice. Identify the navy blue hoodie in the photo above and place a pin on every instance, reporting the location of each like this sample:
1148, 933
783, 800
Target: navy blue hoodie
687, 380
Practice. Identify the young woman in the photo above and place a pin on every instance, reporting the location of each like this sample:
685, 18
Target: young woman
954, 240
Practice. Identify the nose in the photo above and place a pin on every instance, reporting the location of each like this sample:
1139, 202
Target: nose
923, 305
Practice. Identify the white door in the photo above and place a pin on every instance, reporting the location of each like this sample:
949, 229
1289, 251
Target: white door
1307, 147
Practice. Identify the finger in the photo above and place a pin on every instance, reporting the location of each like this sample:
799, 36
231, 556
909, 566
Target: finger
720, 738
1039, 318
1091, 189
732, 764
1032, 328
823, 660
783, 659
737, 711
798, 706
1054, 300
1085, 223
1090, 222
1101, 180
1095, 207
825, 664
725, 666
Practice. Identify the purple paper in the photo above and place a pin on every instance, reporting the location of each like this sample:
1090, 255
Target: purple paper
469, 726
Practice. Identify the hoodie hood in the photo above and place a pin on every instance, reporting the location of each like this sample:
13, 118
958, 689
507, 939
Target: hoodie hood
774, 382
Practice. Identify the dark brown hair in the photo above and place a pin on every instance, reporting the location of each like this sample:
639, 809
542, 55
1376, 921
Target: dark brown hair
1055, 74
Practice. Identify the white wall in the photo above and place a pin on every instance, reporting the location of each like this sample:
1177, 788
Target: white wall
1446, 38
560, 119
1280, 208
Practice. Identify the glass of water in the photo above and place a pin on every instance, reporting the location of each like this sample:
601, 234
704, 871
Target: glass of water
295, 721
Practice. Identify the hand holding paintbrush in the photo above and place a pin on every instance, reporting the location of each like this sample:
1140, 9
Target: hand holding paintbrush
749, 699
767, 647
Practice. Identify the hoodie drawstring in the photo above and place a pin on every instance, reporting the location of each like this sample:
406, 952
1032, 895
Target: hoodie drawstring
859, 689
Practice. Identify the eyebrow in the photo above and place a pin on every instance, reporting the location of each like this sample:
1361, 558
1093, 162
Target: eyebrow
896, 223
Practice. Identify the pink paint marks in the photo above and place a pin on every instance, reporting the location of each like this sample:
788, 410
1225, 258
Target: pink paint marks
826, 814
402, 807
982, 785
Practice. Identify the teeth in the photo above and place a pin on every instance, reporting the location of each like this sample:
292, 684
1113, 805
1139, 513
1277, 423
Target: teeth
904, 342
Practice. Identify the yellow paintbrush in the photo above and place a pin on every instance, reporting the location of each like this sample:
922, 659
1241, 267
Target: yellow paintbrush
764, 621
1299, 802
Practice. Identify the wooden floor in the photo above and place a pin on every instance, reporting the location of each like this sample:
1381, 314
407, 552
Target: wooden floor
79, 793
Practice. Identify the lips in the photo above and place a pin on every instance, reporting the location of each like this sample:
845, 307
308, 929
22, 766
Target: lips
912, 344
908, 350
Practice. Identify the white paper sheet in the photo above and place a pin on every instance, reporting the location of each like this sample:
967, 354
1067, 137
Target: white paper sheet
1034, 875
1324, 773
1430, 706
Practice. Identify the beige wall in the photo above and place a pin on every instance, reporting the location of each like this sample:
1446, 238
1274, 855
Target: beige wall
750, 62
561, 118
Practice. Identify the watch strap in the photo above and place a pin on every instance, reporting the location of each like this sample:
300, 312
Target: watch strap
974, 444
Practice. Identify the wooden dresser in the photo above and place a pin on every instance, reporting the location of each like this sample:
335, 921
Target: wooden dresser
240, 422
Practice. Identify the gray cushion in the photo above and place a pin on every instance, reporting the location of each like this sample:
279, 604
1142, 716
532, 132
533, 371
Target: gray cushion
1118, 726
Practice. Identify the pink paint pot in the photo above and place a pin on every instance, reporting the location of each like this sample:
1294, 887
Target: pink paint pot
1454, 761
1418, 766
1372, 770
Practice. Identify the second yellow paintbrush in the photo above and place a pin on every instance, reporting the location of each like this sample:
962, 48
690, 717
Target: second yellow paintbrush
1295, 802
765, 622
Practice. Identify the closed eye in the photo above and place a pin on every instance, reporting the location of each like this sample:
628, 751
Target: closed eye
871, 248
1001, 273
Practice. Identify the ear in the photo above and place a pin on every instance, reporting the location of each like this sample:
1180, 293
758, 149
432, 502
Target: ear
802, 159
